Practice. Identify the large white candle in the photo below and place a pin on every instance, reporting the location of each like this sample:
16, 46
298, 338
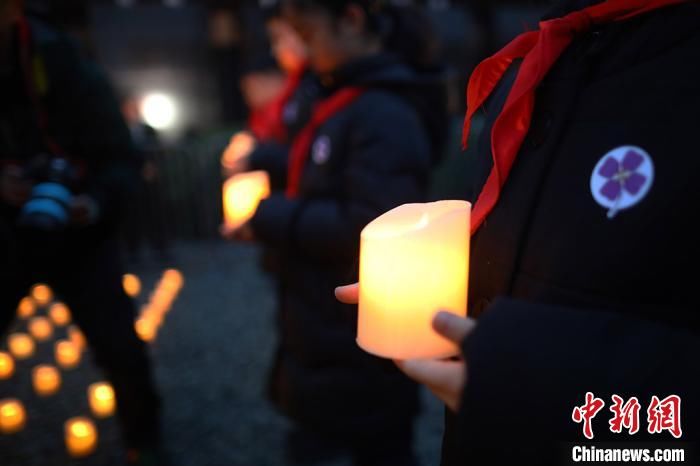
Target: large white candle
414, 262
80, 436
242, 194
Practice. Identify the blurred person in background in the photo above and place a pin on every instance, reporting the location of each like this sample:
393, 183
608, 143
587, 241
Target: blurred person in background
66, 165
368, 145
584, 253
145, 219
274, 121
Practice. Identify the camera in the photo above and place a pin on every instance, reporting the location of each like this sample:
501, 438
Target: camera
48, 207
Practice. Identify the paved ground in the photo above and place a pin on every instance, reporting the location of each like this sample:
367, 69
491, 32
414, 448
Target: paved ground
211, 359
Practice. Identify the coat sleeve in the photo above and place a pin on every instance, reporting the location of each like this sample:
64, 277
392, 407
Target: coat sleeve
386, 164
529, 365
273, 158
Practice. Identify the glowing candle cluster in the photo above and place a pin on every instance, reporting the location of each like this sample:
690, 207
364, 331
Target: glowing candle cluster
160, 302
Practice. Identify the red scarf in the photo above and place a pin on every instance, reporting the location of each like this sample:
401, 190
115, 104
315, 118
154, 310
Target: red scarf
539, 51
301, 147
267, 123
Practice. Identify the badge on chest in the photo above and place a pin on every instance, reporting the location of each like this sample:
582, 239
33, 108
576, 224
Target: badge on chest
622, 178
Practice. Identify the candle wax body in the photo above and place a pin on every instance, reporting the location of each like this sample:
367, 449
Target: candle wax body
80, 436
414, 262
46, 380
21, 345
12, 416
242, 194
102, 399
7, 366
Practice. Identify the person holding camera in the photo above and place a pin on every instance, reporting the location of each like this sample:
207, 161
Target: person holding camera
66, 166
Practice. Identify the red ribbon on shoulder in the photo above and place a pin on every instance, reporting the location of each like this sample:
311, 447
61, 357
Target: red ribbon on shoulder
301, 147
539, 51
267, 123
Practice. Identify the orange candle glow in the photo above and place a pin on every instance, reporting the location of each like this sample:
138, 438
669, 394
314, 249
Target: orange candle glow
60, 314
102, 399
242, 194
26, 308
40, 328
67, 354
76, 337
7, 366
240, 146
146, 329
131, 284
13, 417
46, 380
42, 294
80, 436
21, 345
414, 262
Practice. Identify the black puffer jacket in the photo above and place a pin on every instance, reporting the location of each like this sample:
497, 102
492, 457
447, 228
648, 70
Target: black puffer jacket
571, 299
368, 158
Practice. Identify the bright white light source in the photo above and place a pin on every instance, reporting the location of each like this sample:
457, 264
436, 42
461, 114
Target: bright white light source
159, 111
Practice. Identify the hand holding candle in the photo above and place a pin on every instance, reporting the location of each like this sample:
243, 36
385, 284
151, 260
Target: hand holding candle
242, 195
413, 261
445, 378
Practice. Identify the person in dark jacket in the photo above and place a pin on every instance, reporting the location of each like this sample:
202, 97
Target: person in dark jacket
367, 148
56, 110
584, 269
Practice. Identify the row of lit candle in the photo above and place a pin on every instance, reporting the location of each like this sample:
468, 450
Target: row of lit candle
80, 433
159, 304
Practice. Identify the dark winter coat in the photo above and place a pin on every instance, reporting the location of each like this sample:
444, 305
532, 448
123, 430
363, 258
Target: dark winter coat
372, 156
569, 299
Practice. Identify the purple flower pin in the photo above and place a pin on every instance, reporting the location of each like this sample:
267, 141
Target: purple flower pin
622, 178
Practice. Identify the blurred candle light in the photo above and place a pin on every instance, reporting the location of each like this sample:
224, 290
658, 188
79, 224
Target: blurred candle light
76, 337
7, 366
60, 314
102, 399
46, 380
80, 436
13, 417
21, 345
242, 194
145, 329
240, 146
414, 262
40, 328
42, 294
67, 354
26, 308
132, 285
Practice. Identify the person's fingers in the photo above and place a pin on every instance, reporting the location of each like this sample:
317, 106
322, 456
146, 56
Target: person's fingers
445, 379
453, 327
348, 294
